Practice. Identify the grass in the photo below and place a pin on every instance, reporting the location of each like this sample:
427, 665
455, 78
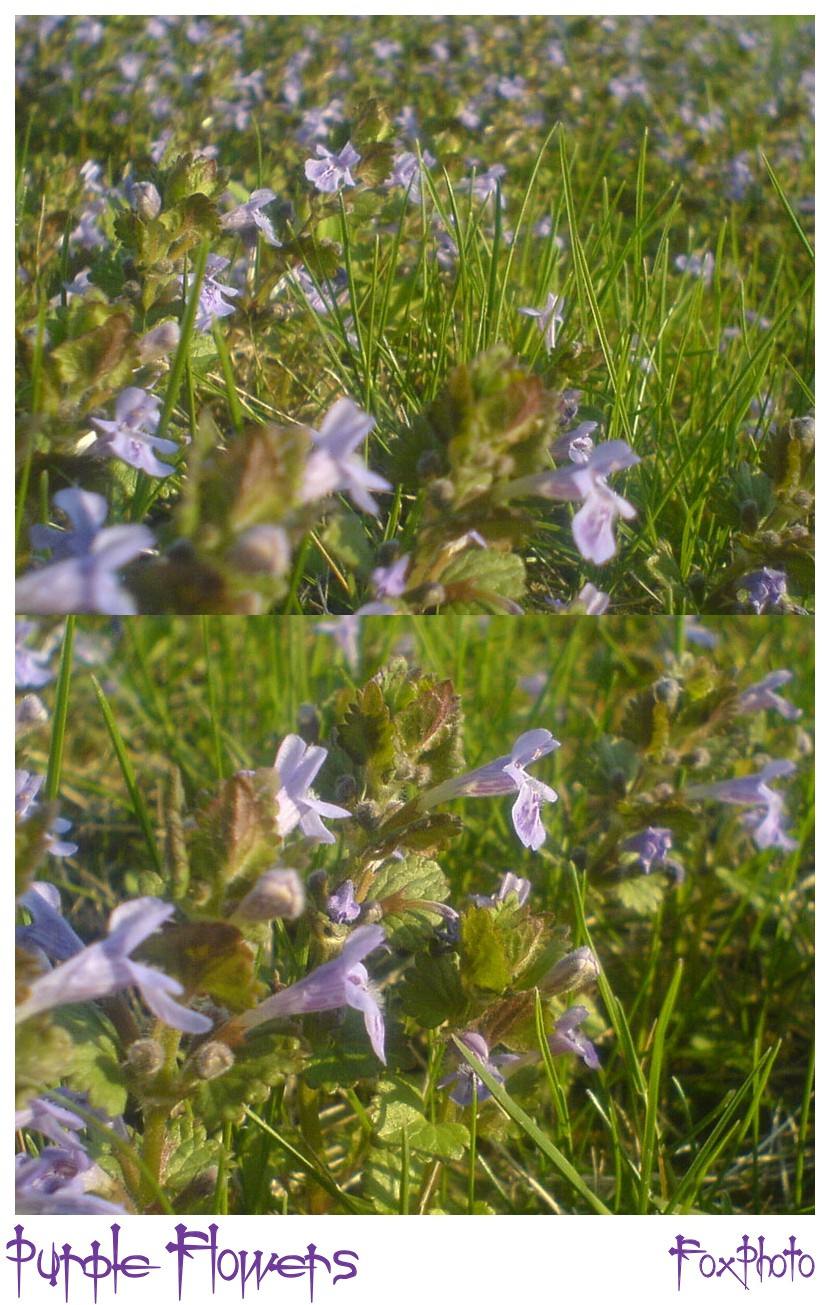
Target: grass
702, 1015
658, 178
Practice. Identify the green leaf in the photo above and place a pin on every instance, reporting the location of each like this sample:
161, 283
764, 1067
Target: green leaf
482, 580
432, 991
95, 1064
207, 956
643, 895
398, 1107
42, 1052
483, 959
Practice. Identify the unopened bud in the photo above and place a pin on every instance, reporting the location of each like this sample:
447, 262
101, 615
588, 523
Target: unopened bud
667, 690
576, 970
261, 550
210, 1060
345, 790
146, 200
277, 894
308, 722
159, 343
697, 759
145, 1058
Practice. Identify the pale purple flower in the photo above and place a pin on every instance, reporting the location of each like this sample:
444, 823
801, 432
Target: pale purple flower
247, 219
568, 1040
575, 444
329, 171
333, 464
341, 905
701, 267
345, 630
52, 1120
485, 184
104, 968
754, 791
696, 633
85, 580
30, 668
651, 848
549, 318
593, 524
578, 969
54, 1183
511, 885
590, 601
465, 1082
211, 305
765, 590
131, 436
296, 765
762, 696
505, 775
26, 789
48, 931
390, 581
341, 982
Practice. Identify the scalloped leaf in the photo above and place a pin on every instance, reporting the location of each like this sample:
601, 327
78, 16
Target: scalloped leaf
398, 1107
484, 963
95, 1064
207, 956
259, 1065
432, 992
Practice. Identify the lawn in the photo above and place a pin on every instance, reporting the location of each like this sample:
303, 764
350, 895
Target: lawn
520, 921
413, 315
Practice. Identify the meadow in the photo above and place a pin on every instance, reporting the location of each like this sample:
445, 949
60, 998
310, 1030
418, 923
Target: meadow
412, 315
519, 921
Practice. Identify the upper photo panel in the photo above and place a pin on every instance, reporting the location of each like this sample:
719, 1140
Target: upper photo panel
415, 315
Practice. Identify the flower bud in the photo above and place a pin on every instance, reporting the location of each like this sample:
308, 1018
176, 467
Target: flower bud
576, 970
145, 1058
261, 550
209, 1061
345, 789
146, 200
278, 893
308, 722
159, 343
667, 690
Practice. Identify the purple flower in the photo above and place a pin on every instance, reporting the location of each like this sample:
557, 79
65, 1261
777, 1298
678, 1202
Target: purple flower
52, 1120
575, 444
330, 171
85, 581
247, 219
26, 789
754, 791
549, 318
765, 590
568, 1040
130, 437
48, 931
390, 581
504, 775
341, 982
211, 304
30, 669
761, 696
651, 848
333, 465
464, 1079
104, 968
297, 764
341, 905
54, 1183
511, 885
593, 524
